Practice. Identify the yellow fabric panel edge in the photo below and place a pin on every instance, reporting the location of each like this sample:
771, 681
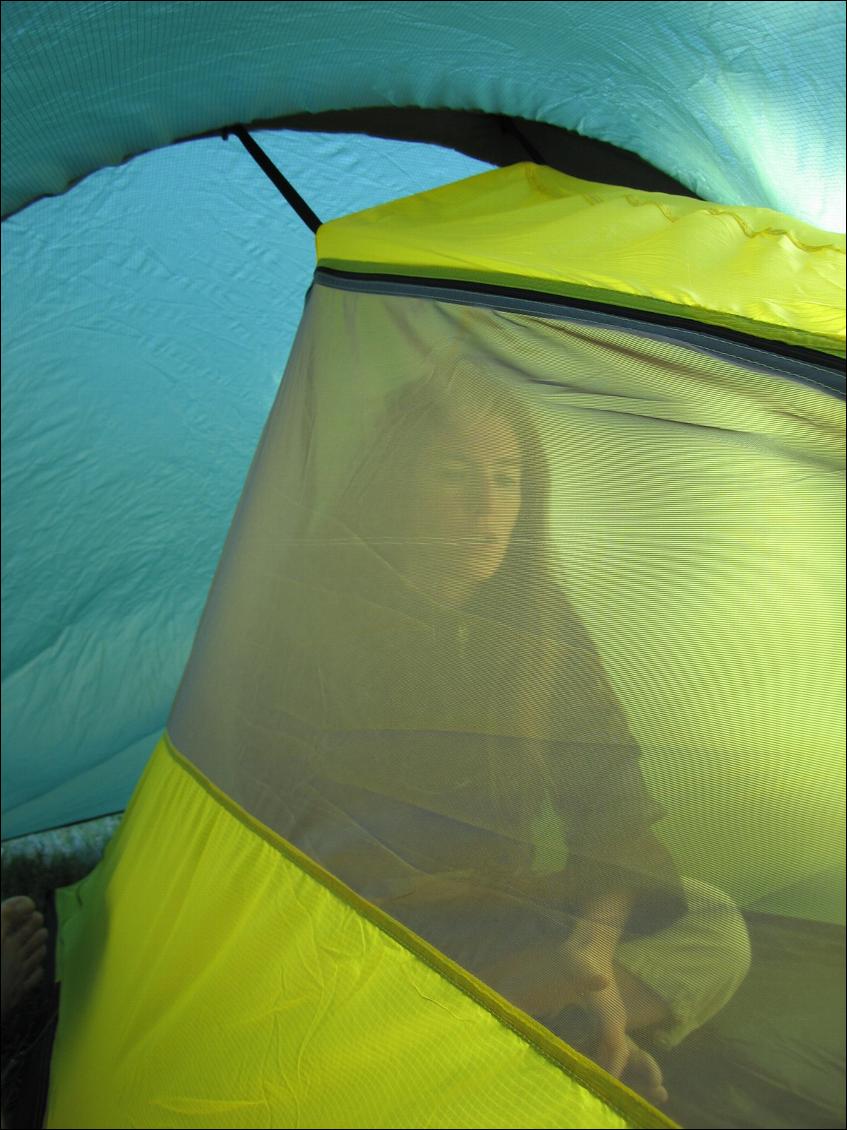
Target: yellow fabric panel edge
603, 1086
624, 301
510, 227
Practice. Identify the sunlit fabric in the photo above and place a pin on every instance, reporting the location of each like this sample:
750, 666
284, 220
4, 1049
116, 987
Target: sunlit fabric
742, 102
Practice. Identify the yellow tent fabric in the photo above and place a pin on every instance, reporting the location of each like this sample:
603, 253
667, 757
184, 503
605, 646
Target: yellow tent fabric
516, 694
530, 226
192, 888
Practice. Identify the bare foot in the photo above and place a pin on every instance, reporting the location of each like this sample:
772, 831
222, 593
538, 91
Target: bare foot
23, 950
644, 1075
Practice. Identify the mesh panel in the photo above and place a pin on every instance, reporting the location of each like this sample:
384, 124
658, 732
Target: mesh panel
529, 631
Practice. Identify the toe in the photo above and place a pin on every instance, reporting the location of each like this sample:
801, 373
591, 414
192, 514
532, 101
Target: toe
14, 912
34, 941
646, 1075
33, 978
11, 910
34, 959
28, 927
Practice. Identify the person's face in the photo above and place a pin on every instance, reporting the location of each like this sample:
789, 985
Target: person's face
468, 497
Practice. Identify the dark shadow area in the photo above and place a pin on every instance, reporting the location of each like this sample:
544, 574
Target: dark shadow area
27, 1043
494, 138
497, 139
774, 1057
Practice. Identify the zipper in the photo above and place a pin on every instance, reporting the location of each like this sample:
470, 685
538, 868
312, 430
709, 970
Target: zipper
807, 366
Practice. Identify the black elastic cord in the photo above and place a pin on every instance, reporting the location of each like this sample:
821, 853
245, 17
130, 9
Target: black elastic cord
509, 126
272, 172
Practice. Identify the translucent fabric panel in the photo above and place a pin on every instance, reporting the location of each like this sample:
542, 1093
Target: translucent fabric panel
528, 628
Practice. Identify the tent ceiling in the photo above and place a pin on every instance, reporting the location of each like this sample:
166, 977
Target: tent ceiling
740, 102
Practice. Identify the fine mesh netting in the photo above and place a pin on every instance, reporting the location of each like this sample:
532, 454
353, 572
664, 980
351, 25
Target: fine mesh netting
528, 630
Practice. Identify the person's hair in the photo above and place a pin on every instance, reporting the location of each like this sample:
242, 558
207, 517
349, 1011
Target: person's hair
378, 507
378, 501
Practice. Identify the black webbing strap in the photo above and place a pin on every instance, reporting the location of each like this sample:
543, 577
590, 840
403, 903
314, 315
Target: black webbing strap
272, 172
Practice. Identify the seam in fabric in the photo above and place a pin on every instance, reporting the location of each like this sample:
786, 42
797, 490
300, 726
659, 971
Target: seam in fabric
634, 1108
766, 365
594, 200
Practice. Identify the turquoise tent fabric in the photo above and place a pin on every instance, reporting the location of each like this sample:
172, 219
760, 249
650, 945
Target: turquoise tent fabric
140, 362
736, 100
151, 289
